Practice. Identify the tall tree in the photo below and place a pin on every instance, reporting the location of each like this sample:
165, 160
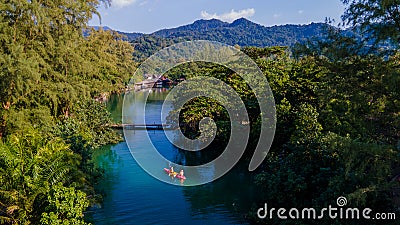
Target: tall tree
381, 18
47, 61
51, 67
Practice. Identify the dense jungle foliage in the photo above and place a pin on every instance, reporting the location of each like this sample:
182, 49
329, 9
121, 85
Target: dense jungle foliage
338, 124
49, 123
338, 111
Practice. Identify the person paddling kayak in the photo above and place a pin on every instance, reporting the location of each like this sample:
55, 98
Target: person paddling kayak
173, 174
171, 171
181, 175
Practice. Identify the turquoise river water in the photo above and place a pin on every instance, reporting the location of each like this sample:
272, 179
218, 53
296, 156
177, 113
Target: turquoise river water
131, 196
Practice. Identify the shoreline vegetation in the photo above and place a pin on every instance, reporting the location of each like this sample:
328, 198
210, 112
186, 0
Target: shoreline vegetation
338, 112
50, 74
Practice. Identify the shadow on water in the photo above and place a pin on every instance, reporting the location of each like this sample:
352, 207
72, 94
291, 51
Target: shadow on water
106, 159
231, 193
131, 196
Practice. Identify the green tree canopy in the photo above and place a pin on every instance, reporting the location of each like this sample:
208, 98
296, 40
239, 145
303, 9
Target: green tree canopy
47, 61
51, 67
381, 18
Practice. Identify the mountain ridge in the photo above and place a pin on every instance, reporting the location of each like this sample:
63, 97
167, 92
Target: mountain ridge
202, 26
242, 32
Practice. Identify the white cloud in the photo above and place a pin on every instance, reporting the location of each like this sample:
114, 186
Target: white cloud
300, 11
122, 3
276, 15
229, 16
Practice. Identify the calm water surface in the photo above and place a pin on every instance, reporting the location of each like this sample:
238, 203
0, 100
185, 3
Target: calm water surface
131, 196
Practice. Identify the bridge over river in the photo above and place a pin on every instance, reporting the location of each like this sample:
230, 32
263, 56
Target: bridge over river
151, 126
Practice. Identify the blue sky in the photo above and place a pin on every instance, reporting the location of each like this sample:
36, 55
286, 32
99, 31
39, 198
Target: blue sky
148, 16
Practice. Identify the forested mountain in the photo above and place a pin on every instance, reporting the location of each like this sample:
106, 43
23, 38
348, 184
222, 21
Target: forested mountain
240, 32
131, 36
127, 35
244, 32
203, 26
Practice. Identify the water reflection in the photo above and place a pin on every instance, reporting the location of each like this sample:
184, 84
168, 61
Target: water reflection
152, 149
134, 197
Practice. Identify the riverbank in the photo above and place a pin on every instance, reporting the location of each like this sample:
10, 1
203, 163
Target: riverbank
131, 196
